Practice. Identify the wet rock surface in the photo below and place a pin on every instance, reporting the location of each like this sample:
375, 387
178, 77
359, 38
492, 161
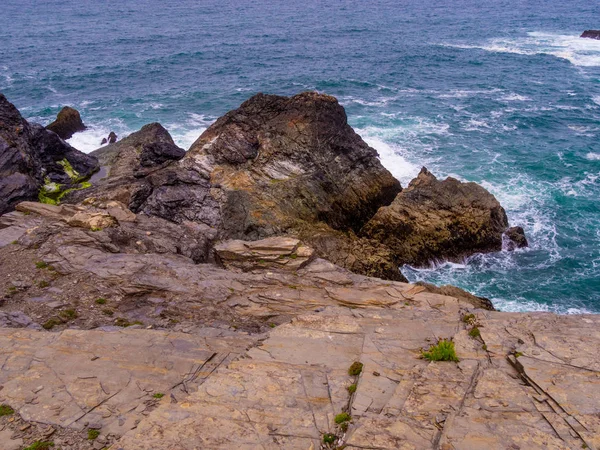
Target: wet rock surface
67, 123
591, 34
31, 157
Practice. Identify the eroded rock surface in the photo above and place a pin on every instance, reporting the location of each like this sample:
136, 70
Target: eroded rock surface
435, 220
591, 34
193, 379
32, 157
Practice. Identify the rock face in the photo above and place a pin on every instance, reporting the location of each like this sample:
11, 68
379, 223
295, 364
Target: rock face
124, 163
591, 34
432, 220
293, 166
32, 157
514, 238
67, 123
517, 380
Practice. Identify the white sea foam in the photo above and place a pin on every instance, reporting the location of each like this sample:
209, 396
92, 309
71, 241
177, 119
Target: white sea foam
89, 140
392, 159
593, 156
513, 97
579, 52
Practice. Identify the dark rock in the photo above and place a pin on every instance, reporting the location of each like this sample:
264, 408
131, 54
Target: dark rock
156, 153
591, 34
514, 238
104, 141
67, 123
122, 163
31, 156
432, 220
112, 137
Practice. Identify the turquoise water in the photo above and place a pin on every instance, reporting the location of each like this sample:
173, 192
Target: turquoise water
504, 94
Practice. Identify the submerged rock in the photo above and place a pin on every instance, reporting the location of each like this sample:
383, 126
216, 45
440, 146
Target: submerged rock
34, 162
435, 220
591, 34
67, 123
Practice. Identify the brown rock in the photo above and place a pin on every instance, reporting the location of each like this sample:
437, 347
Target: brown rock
432, 220
67, 123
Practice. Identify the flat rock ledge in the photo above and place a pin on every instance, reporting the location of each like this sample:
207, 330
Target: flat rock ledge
332, 342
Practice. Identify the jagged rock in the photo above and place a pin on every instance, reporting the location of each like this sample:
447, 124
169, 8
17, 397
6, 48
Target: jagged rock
275, 165
122, 164
432, 220
591, 34
103, 141
67, 123
32, 157
16, 319
514, 238
280, 252
92, 221
112, 137
156, 153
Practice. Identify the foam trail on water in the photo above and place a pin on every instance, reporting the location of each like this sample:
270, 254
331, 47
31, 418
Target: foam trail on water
578, 51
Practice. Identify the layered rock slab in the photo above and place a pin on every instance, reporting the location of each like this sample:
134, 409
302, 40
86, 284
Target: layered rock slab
67, 123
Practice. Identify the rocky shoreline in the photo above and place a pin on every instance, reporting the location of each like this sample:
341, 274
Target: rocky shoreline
252, 284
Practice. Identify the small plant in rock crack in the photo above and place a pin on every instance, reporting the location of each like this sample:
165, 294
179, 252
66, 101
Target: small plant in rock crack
40, 445
101, 301
43, 284
329, 438
355, 369
442, 351
41, 264
93, 434
158, 395
6, 410
342, 417
469, 319
474, 332
68, 314
351, 388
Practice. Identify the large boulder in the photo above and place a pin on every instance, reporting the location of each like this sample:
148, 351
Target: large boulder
36, 163
67, 123
437, 220
271, 164
591, 34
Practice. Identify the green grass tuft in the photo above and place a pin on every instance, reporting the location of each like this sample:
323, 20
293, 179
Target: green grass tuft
68, 314
43, 284
40, 445
442, 351
41, 264
158, 395
93, 434
355, 369
51, 323
329, 438
342, 417
101, 301
352, 388
518, 354
475, 333
6, 410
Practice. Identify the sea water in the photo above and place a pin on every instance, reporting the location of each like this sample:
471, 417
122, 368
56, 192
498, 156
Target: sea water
501, 93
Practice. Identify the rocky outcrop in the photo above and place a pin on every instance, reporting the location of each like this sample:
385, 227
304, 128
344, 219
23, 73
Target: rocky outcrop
112, 138
591, 34
333, 359
125, 163
435, 220
67, 123
293, 166
36, 163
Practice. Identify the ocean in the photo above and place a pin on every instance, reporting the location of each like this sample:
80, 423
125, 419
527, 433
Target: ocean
502, 93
